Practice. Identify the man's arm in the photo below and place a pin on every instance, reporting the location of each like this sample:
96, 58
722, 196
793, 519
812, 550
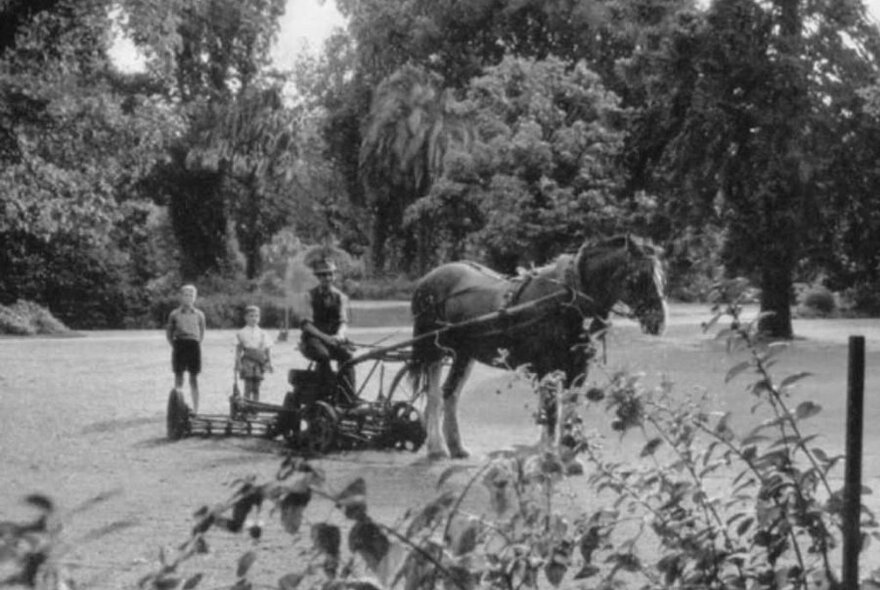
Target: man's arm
309, 328
201, 325
343, 318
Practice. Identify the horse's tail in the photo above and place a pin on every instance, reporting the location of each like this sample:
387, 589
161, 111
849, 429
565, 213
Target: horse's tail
426, 350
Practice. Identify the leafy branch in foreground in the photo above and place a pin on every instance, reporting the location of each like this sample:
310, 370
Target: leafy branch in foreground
696, 506
754, 511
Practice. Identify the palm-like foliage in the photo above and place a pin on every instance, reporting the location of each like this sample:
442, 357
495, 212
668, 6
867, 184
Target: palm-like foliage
411, 125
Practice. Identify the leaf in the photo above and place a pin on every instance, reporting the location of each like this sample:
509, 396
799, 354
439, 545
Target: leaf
588, 543
807, 410
722, 429
651, 447
792, 379
244, 563
356, 491
353, 500
555, 572
820, 454
327, 538
628, 562
290, 581
193, 581
40, 501
449, 472
166, 583
368, 540
587, 571
744, 526
432, 511
736, 370
390, 566
250, 497
293, 505
465, 539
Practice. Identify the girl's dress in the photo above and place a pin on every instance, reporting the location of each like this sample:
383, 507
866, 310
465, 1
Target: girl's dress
254, 343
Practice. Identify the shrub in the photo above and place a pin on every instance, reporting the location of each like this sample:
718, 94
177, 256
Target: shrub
14, 323
25, 318
865, 298
817, 300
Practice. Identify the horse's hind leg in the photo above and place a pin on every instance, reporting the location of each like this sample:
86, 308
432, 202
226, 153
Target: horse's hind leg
458, 374
436, 442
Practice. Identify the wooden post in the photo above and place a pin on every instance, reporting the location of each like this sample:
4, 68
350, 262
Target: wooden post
852, 490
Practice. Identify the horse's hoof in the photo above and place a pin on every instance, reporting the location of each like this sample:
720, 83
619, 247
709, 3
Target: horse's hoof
437, 455
460, 453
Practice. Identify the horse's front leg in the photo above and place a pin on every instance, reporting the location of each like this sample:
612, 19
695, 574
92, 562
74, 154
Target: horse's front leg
436, 443
458, 374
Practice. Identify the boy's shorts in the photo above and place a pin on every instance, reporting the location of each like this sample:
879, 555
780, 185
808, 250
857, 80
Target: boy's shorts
186, 355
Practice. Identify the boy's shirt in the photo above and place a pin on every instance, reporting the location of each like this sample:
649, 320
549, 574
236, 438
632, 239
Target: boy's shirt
186, 323
253, 337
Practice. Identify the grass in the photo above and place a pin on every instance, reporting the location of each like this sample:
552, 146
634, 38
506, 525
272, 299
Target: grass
85, 416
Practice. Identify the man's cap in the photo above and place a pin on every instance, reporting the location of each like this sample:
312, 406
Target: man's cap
321, 267
251, 308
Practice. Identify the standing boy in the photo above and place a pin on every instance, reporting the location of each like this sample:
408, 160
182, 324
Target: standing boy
185, 331
252, 353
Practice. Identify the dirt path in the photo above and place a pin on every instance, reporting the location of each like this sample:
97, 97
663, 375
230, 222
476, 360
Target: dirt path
85, 416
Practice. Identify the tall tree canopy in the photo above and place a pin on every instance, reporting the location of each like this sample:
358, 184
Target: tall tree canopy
746, 121
228, 182
450, 43
540, 174
76, 140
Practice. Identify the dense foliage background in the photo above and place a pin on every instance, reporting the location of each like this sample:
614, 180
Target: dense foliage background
740, 135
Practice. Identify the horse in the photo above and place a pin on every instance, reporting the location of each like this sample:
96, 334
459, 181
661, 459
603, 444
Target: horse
544, 319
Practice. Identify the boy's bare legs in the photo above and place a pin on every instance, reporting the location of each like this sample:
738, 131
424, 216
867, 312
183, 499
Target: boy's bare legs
252, 389
194, 391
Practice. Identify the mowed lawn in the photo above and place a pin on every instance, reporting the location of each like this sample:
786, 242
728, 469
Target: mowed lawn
85, 415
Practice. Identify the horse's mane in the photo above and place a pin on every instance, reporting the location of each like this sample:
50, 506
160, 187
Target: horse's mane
644, 260
489, 272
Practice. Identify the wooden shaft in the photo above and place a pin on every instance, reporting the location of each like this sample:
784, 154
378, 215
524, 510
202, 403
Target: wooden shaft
852, 490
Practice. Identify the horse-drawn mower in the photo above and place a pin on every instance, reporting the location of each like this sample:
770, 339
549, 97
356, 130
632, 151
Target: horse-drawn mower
319, 414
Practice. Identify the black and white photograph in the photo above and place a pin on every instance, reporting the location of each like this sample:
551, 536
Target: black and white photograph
440, 294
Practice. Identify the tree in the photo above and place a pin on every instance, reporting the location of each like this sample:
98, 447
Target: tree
541, 174
77, 140
743, 122
450, 43
410, 127
228, 182
251, 141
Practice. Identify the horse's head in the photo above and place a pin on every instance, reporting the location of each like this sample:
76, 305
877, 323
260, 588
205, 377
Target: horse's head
629, 270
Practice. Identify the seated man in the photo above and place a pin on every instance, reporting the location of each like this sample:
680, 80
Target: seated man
324, 325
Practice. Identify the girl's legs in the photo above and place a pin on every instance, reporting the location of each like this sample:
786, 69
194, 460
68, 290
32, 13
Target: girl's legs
252, 389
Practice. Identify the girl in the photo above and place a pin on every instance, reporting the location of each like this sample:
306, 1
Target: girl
252, 357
